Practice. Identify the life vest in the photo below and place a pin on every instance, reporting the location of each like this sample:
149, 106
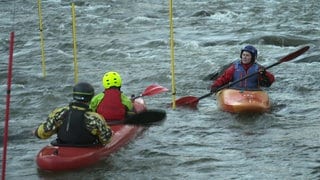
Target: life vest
111, 107
73, 130
240, 72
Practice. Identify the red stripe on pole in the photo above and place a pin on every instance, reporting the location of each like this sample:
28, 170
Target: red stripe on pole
6, 126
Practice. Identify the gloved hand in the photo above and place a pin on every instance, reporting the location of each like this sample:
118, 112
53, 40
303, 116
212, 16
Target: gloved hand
262, 70
263, 80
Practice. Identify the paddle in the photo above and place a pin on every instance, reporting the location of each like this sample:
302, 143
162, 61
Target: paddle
152, 90
145, 118
192, 102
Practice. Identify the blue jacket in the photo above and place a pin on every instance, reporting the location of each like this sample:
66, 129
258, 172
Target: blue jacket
240, 72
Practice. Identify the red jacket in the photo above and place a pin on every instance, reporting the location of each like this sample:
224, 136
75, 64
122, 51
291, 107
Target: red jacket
227, 77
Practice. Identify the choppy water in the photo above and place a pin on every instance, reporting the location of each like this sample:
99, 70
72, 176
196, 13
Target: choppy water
132, 37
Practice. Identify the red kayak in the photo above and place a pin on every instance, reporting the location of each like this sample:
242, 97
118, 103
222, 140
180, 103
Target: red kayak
57, 158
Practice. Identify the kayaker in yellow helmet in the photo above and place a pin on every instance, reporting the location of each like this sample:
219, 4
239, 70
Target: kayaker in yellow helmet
112, 103
76, 124
243, 67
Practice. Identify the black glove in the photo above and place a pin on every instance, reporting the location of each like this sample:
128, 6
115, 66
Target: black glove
264, 80
262, 71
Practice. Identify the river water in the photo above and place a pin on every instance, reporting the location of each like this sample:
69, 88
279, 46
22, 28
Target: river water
133, 38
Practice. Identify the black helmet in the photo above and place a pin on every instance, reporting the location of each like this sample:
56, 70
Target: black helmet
252, 50
83, 92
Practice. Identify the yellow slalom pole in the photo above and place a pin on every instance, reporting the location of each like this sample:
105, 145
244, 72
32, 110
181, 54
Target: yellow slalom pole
41, 40
173, 87
74, 44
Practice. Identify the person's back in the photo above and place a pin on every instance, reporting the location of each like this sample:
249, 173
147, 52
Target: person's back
76, 124
112, 104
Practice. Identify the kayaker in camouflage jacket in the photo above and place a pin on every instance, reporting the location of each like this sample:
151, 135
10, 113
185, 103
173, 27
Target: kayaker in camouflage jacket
76, 124
245, 66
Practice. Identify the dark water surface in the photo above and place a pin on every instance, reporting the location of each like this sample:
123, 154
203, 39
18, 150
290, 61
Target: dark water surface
132, 37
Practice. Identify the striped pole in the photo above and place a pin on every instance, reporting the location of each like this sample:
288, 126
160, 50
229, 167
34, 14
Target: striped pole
6, 126
41, 40
173, 87
74, 44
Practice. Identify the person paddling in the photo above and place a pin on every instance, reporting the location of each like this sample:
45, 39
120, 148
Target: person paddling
112, 103
245, 66
76, 124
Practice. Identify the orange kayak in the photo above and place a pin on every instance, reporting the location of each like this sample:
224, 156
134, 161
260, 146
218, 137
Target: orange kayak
238, 101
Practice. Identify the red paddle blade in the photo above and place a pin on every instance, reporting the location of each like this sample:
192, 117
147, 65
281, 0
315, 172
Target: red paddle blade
294, 54
188, 102
153, 90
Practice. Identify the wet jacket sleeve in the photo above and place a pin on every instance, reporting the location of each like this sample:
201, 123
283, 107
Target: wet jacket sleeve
50, 126
225, 78
127, 102
95, 101
97, 125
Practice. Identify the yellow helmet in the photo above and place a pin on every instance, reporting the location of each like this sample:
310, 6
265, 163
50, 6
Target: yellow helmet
111, 79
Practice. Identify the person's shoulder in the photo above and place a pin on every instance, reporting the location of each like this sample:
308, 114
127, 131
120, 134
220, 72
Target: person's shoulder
233, 65
60, 109
95, 115
95, 119
98, 97
124, 95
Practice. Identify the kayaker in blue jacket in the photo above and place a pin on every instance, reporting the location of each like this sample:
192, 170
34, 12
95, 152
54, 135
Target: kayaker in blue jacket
76, 124
243, 67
